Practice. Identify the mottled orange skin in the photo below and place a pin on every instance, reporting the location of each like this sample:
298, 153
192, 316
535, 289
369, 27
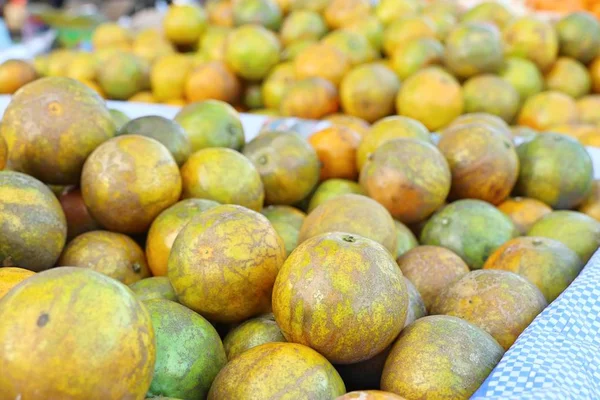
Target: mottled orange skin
43, 126
370, 395
154, 287
491, 12
11, 277
386, 129
357, 47
112, 254
371, 28
332, 188
3, 153
212, 80
355, 214
482, 118
368, 92
224, 262
336, 149
212, 44
543, 110
220, 12
166, 227
405, 29
58, 315
440, 357
409, 177
533, 38
223, 175
389, 10
580, 232
78, 216
431, 269
150, 44
319, 298
254, 332
416, 55
122, 75
591, 205
287, 221
33, 228
183, 24
279, 370
276, 83
483, 162
491, 94
416, 306
321, 60
311, 98
340, 13
168, 76
431, 96
252, 51
14, 74
357, 124
287, 164
302, 25
524, 211
570, 77
501, 303
128, 181
547, 263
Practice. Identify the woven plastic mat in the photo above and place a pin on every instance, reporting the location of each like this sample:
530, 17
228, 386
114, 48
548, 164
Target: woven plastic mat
558, 355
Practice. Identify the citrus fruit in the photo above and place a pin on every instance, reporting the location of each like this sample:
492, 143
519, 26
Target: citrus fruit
321, 60
254, 332
308, 319
53, 306
369, 27
580, 232
310, 98
155, 287
165, 82
143, 97
546, 109
489, 120
293, 49
336, 149
340, 13
213, 42
542, 175
357, 124
416, 307
184, 24
166, 131
532, 38
143, 181
524, 212
473, 48
354, 214
33, 224
483, 162
211, 123
14, 74
276, 83
489, 11
431, 96
368, 92
389, 10
212, 80
165, 228
409, 193
405, 239
110, 35
3, 153
287, 164
251, 51
77, 215
523, 75
416, 55
332, 188
501, 303
261, 12
189, 352
569, 76
112, 254
443, 20
219, 12
431, 269
440, 356
404, 29
226, 280
355, 46
579, 36
290, 368
11, 277
123, 75
302, 25
591, 205
587, 108
594, 70
472, 229
222, 175
287, 221
491, 94
252, 97
50, 146
547, 263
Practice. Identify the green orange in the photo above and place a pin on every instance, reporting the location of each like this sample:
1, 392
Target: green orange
254, 332
287, 221
332, 188
154, 287
493, 95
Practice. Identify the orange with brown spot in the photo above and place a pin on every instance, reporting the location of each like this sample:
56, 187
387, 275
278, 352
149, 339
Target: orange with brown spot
483, 162
112, 254
336, 149
409, 177
224, 262
320, 300
128, 181
524, 212
431, 269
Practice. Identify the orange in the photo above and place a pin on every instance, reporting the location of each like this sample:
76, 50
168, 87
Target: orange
336, 149
323, 61
11, 277
524, 212
310, 98
212, 80
184, 24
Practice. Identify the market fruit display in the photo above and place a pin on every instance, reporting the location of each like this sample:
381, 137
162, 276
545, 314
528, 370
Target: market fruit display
393, 247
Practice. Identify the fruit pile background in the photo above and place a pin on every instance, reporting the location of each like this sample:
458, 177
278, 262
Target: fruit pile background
397, 252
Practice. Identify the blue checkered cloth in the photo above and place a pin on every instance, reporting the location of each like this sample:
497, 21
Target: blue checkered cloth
558, 356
